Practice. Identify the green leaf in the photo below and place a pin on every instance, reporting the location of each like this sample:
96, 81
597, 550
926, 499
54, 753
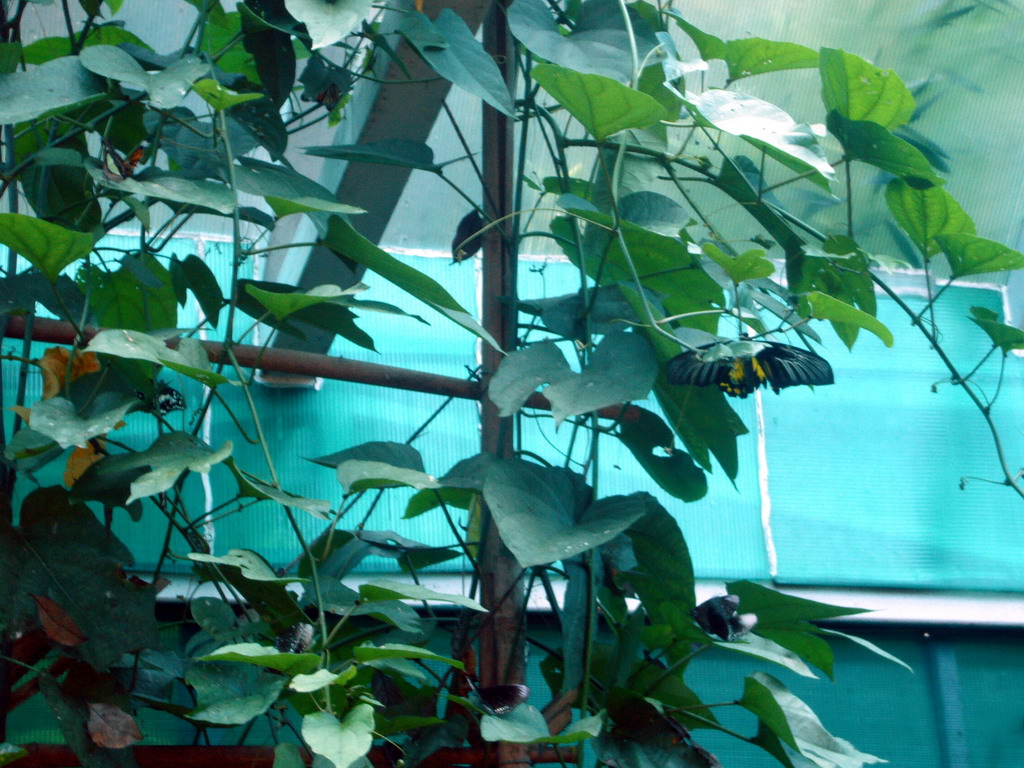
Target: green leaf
136, 297
523, 725
400, 152
344, 742
602, 105
166, 88
61, 549
283, 304
219, 97
804, 642
543, 515
203, 284
749, 265
925, 213
383, 589
252, 565
265, 656
10, 59
1004, 336
766, 127
347, 243
287, 755
651, 442
329, 22
58, 419
447, 45
189, 359
776, 609
252, 487
396, 454
873, 144
232, 694
364, 653
622, 368
763, 648
598, 42
49, 247
356, 475
749, 56
168, 186
314, 682
663, 574
61, 85
859, 90
972, 255
286, 190
824, 307
865, 644
796, 724
521, 372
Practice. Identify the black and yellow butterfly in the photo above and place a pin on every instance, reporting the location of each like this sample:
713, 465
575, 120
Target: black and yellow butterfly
118, 168
739, 369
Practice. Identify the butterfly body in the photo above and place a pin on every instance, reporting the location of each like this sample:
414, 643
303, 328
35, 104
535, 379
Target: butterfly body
720, 617
755, 364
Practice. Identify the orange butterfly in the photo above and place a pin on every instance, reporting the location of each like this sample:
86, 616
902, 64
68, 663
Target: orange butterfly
117, 168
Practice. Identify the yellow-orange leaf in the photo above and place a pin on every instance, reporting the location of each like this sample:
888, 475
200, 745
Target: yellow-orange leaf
79, 461
54, 367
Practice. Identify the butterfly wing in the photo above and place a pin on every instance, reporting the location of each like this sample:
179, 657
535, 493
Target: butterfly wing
689, 368
787, 366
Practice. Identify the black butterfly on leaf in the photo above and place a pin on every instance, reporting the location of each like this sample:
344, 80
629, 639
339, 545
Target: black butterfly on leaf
720, 617
466, 241
499, 700
163, 401
741, 367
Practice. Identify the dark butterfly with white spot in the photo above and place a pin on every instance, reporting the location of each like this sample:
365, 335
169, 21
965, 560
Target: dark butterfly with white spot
166, 400
466, 241
741, 367
296, 639
720, 617
500, 699
116, 167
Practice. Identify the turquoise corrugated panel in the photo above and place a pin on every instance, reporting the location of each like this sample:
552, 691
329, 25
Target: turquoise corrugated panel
864, 475
990, 678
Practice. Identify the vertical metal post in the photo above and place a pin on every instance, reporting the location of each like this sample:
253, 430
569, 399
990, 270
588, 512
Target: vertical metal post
502, 657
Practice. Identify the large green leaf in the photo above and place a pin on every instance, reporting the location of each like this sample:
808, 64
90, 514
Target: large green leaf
522, 371
972, 255
59, 420
797, 725
749, 265
365, 653
139, 296
251, 564
769, 650
663, 574
166, 88
284, 188
526, 725
453, 52
346, 242
176, 189
543, 514
602, 105
750, 55
49, 248
401, 152
776, 609
252, 487
219, 97
384, 589
873, 144
155, 469
1004, 336
767, 127
329, 22
61, 85
189, 359
232, 694
859, 90
622, 368
265, 656
342, 742
598, 42
651, 442
925, 213
824, 307
60, 549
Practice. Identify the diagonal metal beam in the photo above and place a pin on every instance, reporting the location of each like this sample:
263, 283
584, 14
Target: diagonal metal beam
400, 111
